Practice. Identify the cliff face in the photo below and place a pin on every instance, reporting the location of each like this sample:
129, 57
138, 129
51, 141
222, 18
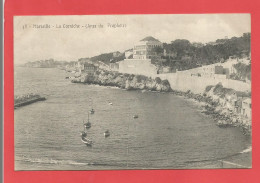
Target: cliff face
227, 107
125, 81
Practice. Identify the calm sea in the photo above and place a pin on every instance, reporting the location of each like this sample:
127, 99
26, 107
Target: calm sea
170, 133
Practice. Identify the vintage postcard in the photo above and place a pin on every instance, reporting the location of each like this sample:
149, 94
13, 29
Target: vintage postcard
121, 92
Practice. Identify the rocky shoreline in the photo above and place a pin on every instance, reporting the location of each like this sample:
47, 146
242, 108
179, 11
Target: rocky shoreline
125, 81
222, 116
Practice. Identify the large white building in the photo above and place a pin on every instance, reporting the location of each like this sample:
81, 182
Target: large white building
144, 52
144, 49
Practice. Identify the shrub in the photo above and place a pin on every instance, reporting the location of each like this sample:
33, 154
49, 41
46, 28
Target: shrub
218, 88
165, 82
140, 78
126, 75
208, 88
158, 80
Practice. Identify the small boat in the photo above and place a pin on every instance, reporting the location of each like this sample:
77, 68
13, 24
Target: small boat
86, 141
84, 138
107, 133
92, 111
135, 116
88, 124
83, 134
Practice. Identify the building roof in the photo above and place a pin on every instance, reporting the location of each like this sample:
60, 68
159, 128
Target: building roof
88, 65
149, 38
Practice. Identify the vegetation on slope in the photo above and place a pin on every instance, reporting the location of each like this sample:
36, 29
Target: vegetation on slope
183, 55
108, 57
243, 72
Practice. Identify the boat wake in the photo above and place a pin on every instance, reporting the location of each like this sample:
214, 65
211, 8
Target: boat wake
50, 161
66, 162
249, 149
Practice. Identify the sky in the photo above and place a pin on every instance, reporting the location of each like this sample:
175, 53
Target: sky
70, 44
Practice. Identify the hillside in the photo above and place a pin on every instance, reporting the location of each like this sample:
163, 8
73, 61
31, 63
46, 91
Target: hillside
109, 57
50, 63
183, 55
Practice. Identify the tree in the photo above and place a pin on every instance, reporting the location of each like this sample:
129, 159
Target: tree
158, 50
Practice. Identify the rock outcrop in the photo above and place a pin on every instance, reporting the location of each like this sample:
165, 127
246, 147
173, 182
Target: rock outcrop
124, 81
214, 104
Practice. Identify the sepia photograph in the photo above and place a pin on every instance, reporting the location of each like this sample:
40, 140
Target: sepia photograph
132, 92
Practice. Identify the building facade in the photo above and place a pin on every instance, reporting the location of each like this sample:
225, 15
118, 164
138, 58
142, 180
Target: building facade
210, 71
144, 49
89, 68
